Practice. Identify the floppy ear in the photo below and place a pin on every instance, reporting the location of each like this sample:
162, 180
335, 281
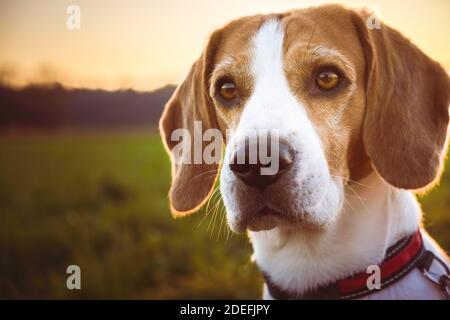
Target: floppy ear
192, 182
407, 100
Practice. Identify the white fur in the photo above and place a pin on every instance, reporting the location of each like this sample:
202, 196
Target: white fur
374, 220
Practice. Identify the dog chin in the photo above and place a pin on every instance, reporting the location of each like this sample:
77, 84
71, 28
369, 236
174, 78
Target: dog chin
263, 220
267, 219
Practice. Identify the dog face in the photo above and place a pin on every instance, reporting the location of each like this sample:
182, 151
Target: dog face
340, 98
285, 98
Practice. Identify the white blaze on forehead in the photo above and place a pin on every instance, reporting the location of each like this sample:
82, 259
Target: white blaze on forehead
268, 51
272, 105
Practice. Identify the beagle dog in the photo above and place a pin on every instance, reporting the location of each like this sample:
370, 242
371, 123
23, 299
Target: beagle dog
361, 115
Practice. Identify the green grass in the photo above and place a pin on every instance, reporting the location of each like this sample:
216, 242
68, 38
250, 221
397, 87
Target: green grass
100, 201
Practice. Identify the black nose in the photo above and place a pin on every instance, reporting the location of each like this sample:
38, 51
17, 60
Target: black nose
247, 162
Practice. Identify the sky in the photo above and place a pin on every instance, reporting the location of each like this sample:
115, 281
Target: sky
146, 44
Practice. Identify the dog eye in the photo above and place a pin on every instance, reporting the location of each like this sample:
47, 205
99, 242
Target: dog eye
327, 80
228, 90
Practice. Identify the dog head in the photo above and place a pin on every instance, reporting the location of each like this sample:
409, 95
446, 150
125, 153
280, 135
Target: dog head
337, 99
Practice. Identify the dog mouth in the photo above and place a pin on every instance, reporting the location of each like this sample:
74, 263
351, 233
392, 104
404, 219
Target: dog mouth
262, 220
267, 218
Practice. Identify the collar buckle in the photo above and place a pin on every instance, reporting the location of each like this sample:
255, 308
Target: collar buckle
436, 271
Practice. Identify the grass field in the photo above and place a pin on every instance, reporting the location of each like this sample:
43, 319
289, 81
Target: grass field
100, 201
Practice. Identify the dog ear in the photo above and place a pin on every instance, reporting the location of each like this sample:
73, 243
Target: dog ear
407, 101
192, 182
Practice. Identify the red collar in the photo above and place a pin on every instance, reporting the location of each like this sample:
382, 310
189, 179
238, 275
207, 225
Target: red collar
399, 260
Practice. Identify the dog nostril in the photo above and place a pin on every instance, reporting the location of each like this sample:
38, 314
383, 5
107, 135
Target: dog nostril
250, 171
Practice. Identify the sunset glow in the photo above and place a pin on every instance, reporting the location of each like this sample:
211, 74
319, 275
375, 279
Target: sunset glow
146, 44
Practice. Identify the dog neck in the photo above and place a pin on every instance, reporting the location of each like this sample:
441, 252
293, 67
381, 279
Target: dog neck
374, 216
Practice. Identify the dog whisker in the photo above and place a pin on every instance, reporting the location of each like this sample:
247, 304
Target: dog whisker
214, 219
203, 173
213, 214
353, 181
221, 223
214, 193
359, 198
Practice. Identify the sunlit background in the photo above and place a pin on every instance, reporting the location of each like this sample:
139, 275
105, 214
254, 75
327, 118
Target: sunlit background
83, 173
145, 44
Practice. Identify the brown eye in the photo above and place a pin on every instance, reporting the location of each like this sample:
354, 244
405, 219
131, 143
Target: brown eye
327, 80
228, 90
